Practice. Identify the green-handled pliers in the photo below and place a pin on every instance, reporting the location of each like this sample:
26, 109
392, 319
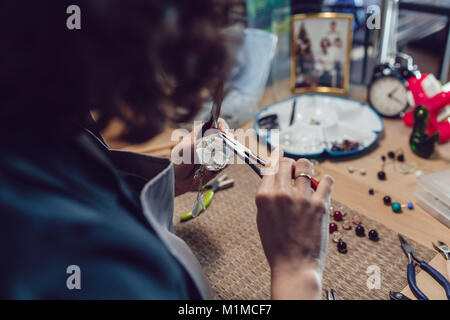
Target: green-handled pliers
211, 188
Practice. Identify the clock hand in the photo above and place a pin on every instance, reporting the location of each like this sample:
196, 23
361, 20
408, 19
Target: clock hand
396, 99
392, 92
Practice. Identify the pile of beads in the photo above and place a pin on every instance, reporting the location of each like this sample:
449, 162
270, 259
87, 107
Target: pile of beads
347, 225
345, 146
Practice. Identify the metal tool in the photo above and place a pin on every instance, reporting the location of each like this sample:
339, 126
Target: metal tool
213, 121
251, 159
244, 153
442, 248
200, 200
411, 275
397, 296
332, 295
294, 104
211, 188
269, 122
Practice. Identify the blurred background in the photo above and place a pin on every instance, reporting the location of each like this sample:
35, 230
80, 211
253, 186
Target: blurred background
420, 34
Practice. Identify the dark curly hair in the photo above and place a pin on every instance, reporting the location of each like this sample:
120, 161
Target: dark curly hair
144, 62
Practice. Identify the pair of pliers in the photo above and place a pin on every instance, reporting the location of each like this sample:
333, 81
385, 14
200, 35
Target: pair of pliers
411, 275
251, 159
442, 248
397, 296
211, 188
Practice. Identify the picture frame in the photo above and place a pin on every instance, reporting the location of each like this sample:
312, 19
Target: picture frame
320, 52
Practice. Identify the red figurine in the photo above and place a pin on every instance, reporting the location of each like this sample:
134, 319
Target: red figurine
434, 104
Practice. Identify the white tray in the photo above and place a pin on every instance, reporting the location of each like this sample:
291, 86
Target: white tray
319, 121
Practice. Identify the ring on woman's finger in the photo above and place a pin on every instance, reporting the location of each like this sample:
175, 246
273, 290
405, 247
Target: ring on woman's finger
304, 175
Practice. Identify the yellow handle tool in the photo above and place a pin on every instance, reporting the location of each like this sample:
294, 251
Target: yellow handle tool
220, 184
208, 198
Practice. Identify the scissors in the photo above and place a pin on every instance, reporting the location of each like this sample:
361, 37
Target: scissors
411, 275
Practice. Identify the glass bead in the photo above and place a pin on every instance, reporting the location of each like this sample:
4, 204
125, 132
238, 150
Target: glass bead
373, 235
404, 169
333, 227
387, 200
396, 207
347, 225
391, 154
337, 236
356, 219
371, 192
342, 246
401, 158
381, 175
410, 206
337, 216
360, 232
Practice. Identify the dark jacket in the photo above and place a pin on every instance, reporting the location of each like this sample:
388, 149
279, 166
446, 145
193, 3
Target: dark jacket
73, 202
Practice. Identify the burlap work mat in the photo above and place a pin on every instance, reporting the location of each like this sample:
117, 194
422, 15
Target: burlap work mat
226, 242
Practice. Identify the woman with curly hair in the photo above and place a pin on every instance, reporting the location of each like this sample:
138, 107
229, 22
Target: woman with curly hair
68, 202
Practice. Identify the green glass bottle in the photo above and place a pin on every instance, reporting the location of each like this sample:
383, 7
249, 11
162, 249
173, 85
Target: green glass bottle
420, 142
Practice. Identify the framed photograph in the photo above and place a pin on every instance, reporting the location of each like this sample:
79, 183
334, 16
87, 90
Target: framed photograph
320, 52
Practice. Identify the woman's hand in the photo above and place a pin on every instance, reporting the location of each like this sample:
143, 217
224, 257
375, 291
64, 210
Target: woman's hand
293, 226
184, 172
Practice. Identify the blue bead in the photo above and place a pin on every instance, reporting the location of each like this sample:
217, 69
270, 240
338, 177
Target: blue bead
410, 205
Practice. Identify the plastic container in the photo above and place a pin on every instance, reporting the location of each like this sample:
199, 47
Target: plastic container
433, 195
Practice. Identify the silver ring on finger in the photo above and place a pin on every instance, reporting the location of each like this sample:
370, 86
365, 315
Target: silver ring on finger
304, 175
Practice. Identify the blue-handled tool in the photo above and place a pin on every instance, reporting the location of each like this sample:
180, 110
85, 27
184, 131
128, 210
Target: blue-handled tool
397, 296
424, 266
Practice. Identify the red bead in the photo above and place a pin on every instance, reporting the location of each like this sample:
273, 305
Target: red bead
333, 227
337, 216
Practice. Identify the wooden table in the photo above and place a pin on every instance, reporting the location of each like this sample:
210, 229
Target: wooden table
352, 189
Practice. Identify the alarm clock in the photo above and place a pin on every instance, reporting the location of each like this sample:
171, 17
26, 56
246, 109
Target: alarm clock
388, 91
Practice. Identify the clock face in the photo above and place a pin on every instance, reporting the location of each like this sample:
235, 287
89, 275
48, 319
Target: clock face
388, 95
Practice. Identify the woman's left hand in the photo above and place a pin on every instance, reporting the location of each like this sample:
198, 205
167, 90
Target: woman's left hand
184, 172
